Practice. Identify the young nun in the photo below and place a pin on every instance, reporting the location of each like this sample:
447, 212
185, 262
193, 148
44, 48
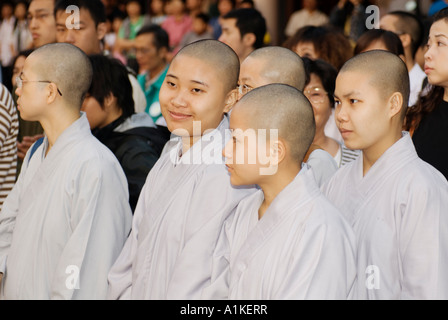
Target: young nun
286, 241
67, 218
187, 194
280, 65
395, 202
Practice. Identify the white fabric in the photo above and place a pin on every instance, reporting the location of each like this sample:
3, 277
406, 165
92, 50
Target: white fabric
177, 221
137, 120
331, 129
416, 77
303, 18
302, 248
398, 211
137, 94
6, 37
68, 214
323, 165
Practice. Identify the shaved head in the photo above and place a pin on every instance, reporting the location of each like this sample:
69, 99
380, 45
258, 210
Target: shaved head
66, 66
281, 107
388, 73
218, 55
280, 65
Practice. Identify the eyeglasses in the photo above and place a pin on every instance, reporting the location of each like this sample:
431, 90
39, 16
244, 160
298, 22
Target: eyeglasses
20, 82
244, 88
40, 17
315, 95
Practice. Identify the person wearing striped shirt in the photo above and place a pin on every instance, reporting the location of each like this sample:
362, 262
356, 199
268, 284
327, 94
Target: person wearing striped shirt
9, 129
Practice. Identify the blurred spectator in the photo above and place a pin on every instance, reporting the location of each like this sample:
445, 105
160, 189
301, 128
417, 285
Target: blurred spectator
224, 7
128, 31
199, 30
9, 126
41, 22
177, 24
22, 39
89, 38
350, 17
409, 29
157, 11
243, 30
152, 47
437, 6
29, 131
132, 137
194, 7
309, 15
113, 24
419, 55
321, 43
379, 39
88, 32
6, 38
245, 4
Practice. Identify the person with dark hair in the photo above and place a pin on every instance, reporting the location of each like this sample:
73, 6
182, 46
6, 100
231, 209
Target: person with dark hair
42, 22
427, 121
88, 34
177, 23
7, 24
134, 21
396, 202
410, 30
67, 218
243, 30
199, 30
157, 11
83, 33
22, 39
151, 49
133, 138
223, 7
379, 39
321, 42
319, 89
309, 15
350, 16
245, 4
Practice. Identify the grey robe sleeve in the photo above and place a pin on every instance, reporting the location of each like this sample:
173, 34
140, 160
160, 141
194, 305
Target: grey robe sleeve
101, 221
323, 269
120, 275
423, 243
207, 214
8, 216
220, 276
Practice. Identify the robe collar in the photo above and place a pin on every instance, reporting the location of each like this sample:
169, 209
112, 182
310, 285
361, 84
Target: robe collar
394, 159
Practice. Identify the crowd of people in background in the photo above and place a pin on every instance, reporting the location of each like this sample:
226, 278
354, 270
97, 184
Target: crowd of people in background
140, 74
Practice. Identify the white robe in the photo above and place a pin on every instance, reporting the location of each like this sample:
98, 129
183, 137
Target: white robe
302, 248
177, 222
67, 215
323, 165
399, 212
